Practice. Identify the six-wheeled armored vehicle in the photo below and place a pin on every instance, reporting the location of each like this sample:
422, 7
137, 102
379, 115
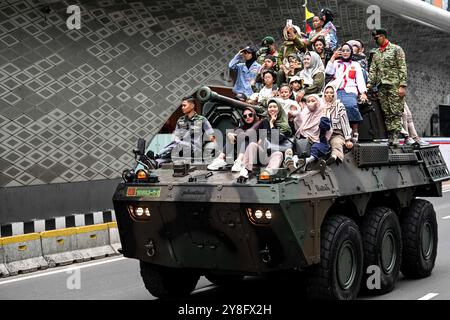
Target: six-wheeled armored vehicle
333, 223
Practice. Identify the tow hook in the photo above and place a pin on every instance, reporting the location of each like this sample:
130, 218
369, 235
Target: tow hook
150, 247
265, 255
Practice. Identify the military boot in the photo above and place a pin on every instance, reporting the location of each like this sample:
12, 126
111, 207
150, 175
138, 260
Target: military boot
393, 139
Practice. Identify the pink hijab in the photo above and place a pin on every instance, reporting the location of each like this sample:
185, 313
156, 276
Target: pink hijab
307, 121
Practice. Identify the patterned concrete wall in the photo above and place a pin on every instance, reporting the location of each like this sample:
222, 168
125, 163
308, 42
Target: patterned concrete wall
72, 103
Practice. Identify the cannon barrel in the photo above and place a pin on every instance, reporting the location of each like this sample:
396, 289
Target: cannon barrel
205, 94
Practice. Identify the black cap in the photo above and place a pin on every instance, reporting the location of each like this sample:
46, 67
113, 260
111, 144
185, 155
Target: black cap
378, 32
249, 49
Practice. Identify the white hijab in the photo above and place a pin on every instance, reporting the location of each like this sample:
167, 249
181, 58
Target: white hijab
315, 67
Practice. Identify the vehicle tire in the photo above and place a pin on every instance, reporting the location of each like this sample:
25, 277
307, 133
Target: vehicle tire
168, 283
339, 273
222, 280
420, 239
382, 245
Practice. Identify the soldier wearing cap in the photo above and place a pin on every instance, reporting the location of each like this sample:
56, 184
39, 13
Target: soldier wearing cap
268, 47
388, 72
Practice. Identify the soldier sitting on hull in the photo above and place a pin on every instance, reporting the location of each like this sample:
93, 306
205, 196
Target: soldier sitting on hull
188, 134
388, 72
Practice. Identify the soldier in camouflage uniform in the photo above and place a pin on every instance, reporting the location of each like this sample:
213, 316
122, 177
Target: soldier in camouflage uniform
388, 72
188, 133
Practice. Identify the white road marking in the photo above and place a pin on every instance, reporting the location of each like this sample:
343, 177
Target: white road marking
428, 296
65, 269
445, 218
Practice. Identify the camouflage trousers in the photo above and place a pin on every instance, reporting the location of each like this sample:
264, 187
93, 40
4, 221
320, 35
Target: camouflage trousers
392, 106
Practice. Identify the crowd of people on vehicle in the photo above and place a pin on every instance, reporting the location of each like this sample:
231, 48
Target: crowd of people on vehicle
311, 89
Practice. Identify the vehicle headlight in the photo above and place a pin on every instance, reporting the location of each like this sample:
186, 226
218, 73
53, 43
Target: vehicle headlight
139, 213
259, 216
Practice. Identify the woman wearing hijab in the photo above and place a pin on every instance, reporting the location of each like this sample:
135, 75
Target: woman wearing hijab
246, 66
313, 127
275, 123
313, 75
349, 82
248, 128
342, 133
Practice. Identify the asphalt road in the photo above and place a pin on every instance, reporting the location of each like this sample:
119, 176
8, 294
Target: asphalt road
119, 278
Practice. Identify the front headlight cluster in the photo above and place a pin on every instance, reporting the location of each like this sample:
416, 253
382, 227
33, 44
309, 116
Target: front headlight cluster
259, 216
141, 213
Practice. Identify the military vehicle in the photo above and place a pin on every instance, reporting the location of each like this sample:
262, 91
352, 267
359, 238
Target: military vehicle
336, 225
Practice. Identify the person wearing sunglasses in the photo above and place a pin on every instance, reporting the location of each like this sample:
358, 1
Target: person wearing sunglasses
388, 72
250, 123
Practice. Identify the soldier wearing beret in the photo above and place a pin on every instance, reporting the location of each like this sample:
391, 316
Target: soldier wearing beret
388, 72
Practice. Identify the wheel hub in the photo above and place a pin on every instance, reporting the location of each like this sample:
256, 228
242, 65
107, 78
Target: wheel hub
346, 265
388, 252
427, 240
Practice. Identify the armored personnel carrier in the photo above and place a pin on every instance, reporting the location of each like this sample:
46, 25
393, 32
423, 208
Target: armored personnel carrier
337, 225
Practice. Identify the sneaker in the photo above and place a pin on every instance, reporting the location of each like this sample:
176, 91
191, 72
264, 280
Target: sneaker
409, 141
289, 164
217, 164
243, 173
355, 137
288, 153
421, 142
237, 166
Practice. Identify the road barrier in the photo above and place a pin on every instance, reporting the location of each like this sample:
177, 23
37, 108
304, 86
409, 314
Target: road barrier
3, 270
93, 242
23, 253
114, 237
41, 244
59, 247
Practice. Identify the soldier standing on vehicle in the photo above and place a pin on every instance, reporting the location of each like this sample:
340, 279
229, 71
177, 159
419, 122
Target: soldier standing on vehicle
388, 72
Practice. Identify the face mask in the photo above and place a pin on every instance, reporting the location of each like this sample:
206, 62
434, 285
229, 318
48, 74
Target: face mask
311, 106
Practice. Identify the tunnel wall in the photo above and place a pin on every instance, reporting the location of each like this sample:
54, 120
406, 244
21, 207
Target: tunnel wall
74, 102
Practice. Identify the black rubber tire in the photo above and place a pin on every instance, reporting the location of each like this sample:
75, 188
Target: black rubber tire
415, 263
337, 232
224, 280
168, 283
380, 224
